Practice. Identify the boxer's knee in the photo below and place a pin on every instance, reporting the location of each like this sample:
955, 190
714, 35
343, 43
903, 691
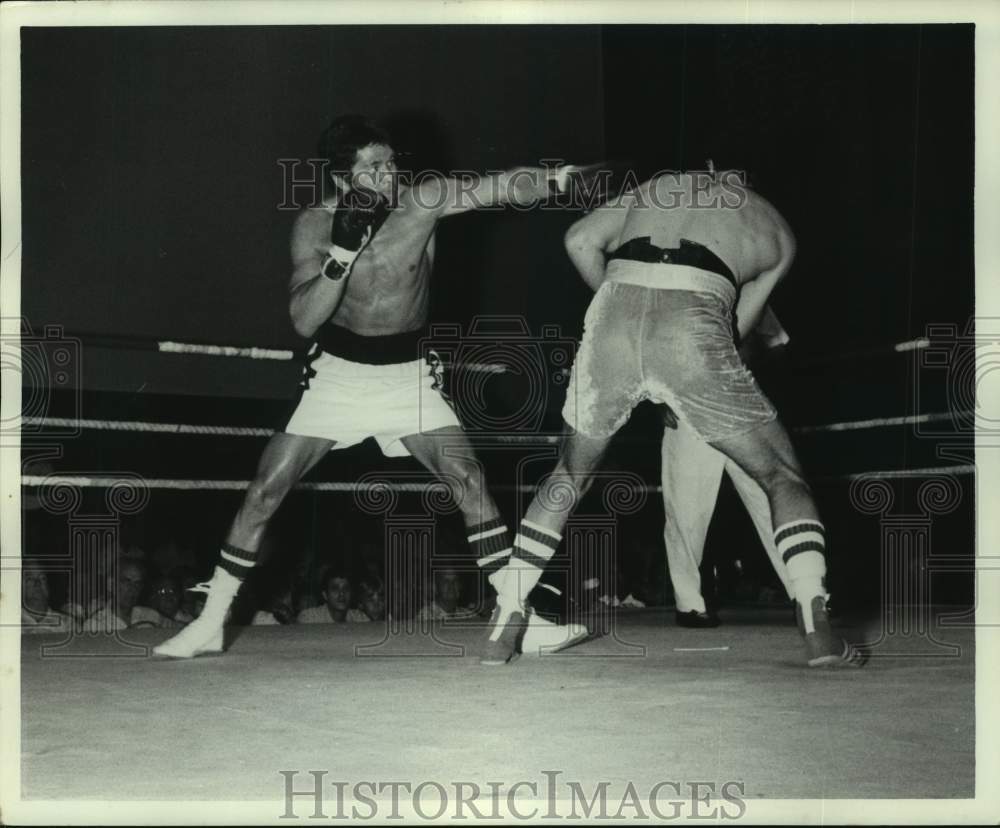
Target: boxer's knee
264, 496
465, 481
563, 489
559, 493
788, 485
583, 454
789, 495
780, 480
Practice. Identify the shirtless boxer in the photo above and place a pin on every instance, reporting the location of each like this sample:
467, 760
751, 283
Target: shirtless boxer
668, 261
360, 287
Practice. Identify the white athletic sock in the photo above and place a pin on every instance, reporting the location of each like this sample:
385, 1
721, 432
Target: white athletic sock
802, 546
534, 546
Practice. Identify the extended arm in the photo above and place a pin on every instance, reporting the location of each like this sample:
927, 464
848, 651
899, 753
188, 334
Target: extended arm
522, 186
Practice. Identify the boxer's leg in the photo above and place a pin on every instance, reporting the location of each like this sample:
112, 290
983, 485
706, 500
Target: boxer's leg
448, 453
536, 541
604, 387
755, 500
286, 459
765, 453
541, 528
691, 472
708, 385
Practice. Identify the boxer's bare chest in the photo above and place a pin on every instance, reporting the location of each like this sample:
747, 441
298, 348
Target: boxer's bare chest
389, 284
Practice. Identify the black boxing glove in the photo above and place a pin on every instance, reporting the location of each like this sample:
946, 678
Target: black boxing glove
357, 218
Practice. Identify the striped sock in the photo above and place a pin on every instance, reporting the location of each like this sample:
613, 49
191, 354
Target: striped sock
534, 547
490, 543
802, 546
237, 562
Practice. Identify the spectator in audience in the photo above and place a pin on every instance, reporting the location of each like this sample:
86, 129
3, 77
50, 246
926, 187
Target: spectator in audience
37, 616
44, 535
191, 602
303, 593
122, 609
278, 611
402, 600
338, 595
372, 603
91, 590
447, 597
165, 598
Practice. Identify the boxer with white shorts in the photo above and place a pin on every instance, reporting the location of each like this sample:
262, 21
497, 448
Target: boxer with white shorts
360, 288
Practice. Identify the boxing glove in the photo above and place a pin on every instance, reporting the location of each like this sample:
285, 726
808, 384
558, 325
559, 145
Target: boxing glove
356, 220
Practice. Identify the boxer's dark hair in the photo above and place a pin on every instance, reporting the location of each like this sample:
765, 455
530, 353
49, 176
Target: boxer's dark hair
340, 142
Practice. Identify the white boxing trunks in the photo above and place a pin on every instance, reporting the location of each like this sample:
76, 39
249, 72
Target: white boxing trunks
347, 401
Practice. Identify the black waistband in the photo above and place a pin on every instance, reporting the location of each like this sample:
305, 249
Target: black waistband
689, 253
371, 350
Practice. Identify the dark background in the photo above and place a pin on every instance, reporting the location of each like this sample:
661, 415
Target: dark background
151, 188
151, 183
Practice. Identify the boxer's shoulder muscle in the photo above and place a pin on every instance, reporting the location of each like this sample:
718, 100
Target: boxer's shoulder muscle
402, 242
759, 237
770, 228
312, 223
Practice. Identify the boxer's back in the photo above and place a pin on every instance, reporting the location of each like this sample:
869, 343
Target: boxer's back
738, 225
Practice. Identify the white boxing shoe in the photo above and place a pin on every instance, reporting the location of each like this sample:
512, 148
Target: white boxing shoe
543, 637
203, 636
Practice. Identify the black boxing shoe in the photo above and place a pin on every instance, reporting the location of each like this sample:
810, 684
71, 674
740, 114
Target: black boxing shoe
695, 619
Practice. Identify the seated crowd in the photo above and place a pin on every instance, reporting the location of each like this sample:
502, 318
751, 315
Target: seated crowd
136, 594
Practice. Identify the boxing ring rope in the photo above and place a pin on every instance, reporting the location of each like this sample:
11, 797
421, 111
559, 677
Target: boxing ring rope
237, 431
165, 346
106, 482
257, 353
